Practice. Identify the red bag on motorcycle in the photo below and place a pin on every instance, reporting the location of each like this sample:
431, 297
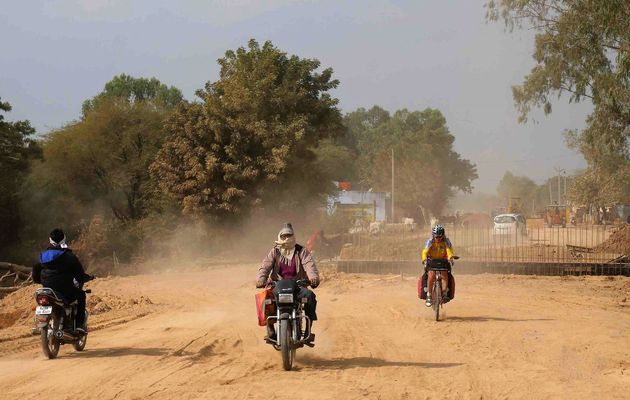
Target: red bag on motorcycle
261, 310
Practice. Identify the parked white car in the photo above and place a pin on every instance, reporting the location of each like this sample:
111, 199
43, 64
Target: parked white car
505, 224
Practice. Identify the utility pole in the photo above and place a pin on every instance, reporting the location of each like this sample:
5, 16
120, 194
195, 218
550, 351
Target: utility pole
559, 171
565, 188
393, 219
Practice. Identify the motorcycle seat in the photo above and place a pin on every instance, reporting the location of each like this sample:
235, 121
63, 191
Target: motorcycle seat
56, 295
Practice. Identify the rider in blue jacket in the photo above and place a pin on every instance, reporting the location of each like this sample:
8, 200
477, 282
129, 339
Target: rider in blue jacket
60, 270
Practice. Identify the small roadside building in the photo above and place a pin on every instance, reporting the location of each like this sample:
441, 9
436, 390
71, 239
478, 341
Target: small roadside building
367, 206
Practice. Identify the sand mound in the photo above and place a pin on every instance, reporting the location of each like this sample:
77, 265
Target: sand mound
17, 308
618, 242
102, 304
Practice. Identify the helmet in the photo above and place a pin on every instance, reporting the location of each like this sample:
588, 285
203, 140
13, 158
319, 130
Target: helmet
438, 230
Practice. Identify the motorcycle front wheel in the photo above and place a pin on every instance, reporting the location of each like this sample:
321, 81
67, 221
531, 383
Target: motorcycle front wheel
50, 345
286, 344
79, 345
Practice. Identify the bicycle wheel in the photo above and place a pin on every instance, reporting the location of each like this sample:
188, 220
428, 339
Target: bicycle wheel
437, 298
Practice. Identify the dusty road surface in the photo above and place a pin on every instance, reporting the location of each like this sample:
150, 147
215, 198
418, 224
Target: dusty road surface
193, 335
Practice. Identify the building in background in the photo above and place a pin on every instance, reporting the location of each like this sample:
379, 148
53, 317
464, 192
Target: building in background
365, 206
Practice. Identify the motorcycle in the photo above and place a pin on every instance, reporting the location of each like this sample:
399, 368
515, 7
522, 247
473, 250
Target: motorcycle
289, 319
55, 320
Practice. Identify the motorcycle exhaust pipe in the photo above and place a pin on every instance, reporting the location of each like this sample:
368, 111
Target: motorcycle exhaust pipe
61, 335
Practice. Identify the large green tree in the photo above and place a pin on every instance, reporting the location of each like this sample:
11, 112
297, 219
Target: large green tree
250, 141
582, 49
427, 169
104, 158
17, 147
137, 90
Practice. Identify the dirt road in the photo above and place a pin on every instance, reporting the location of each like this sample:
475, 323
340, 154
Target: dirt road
504, 337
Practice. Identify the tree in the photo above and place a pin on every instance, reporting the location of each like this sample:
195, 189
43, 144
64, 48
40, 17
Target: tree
104, 157
582, 49
428, 171
335, 162
133, 90
250, 141
520, 187
589, 189
360, 121
16, 149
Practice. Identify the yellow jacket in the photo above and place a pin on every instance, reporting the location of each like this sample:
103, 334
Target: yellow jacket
437, 250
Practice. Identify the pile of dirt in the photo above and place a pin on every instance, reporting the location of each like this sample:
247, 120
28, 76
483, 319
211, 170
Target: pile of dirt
102, 304
618, 242
17, 308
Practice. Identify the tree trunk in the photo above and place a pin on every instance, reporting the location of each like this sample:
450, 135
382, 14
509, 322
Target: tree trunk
22, 271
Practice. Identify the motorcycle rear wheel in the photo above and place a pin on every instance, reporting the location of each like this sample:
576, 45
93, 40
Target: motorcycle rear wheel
50, 345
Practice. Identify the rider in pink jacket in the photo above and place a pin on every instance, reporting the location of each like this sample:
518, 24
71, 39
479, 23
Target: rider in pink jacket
289, 260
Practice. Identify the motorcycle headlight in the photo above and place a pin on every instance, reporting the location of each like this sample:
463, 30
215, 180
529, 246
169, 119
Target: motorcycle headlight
285, 298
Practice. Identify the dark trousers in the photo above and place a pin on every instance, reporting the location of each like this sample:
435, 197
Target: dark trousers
79, 296
311, 303
309, 309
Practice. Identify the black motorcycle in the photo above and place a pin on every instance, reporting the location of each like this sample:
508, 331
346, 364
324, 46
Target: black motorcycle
290, 319
55, 320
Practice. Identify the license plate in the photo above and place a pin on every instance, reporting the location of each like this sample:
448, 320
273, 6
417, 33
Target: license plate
43, 310
285, 298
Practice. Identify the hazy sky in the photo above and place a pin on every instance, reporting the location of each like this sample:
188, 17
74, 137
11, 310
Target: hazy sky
398, 53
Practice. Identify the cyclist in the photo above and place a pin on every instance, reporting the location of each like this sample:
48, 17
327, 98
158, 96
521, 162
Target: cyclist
437, 247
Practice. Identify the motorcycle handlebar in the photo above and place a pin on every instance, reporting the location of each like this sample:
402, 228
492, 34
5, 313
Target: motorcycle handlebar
300, 282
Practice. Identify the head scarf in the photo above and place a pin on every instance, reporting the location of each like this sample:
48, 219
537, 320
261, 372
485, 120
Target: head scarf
61, 243
287, 245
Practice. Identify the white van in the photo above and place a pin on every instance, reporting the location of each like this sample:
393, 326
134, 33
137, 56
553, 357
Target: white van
505, 224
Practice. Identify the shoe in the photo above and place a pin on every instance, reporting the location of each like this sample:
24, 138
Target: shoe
310, 341
271, 334
428, 302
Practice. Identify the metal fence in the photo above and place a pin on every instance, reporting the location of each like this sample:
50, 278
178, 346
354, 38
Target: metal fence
574, 244
413, 268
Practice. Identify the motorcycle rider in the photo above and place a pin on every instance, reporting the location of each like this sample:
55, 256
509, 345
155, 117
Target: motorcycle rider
437, 247
289, 260
60, 270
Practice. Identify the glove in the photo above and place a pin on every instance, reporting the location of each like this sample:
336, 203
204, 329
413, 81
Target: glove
314, 282
260, 284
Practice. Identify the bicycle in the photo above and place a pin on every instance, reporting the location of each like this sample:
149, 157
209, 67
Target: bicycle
437, 300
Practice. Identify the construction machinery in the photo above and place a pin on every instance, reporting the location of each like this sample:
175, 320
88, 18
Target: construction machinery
556, 215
